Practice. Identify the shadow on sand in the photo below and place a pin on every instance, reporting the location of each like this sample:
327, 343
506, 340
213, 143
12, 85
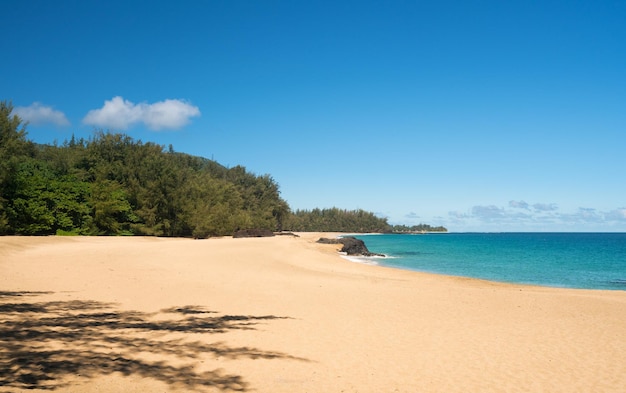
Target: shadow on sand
44, 343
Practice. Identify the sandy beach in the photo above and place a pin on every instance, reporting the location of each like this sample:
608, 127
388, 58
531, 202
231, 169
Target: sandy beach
285, 314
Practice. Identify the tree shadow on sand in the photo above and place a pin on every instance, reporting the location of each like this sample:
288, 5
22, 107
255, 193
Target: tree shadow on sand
44, 343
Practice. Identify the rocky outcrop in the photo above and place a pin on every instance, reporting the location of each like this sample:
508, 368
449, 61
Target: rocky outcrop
253, 233
351, 246
286, 234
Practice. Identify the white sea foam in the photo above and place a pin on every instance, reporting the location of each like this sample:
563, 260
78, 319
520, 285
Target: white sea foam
363, 259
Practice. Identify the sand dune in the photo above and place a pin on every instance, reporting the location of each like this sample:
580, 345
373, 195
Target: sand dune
284, 314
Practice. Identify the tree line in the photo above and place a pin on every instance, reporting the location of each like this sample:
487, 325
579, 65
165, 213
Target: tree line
420, 228
111, 184
357, 221
336, 220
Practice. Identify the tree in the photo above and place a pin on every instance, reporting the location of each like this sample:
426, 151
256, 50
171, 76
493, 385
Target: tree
112, 214
12, 133
214, 207
13, 148
335, 220
112, 184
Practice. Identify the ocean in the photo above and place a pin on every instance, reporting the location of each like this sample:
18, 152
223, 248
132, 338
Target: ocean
569, 260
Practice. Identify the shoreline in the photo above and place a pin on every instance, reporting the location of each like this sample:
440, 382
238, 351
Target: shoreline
286, 314
612, 284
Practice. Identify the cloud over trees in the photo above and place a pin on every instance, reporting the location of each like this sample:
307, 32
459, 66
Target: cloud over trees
120, 114
117, 114
39, 114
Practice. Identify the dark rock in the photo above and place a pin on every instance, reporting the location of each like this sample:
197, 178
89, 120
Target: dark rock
286, 234
253, 233
351, 246
325, 240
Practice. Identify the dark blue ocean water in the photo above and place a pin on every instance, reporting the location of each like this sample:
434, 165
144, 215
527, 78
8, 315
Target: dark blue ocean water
573, 260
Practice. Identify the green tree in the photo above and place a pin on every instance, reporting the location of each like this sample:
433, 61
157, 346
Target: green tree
214, 208
335, 220
43, 203
29, 207
112, 213
112, 184
13, 149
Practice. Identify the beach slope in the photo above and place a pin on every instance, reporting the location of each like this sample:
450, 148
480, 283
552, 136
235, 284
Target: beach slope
285, 314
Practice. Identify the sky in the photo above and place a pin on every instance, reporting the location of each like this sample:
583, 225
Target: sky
474, 115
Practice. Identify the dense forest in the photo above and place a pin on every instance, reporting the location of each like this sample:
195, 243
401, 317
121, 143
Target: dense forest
357, 221
111, 184
336, 220
114, 185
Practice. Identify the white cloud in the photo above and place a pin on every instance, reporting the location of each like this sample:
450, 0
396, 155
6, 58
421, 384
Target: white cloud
117, 113
411, 216
457, 215
39, 114
120, 114
587, 214
488, 213
545, 207
518, 204
170, 114
538, 216
617, 214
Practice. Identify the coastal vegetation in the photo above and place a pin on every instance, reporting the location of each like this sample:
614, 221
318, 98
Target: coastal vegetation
114, 185
336, 220
341, 220
111, 184
421, 228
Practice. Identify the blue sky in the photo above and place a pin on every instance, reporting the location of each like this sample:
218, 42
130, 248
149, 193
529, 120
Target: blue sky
475, 115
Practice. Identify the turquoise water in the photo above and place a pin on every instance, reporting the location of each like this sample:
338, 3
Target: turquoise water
572, 260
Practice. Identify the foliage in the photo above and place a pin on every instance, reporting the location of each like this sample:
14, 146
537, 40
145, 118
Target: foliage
14, 148
335, 220
356, 221
114, 185
42, 202
417, 228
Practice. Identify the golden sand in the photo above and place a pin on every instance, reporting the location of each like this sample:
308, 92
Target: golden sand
285, 314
